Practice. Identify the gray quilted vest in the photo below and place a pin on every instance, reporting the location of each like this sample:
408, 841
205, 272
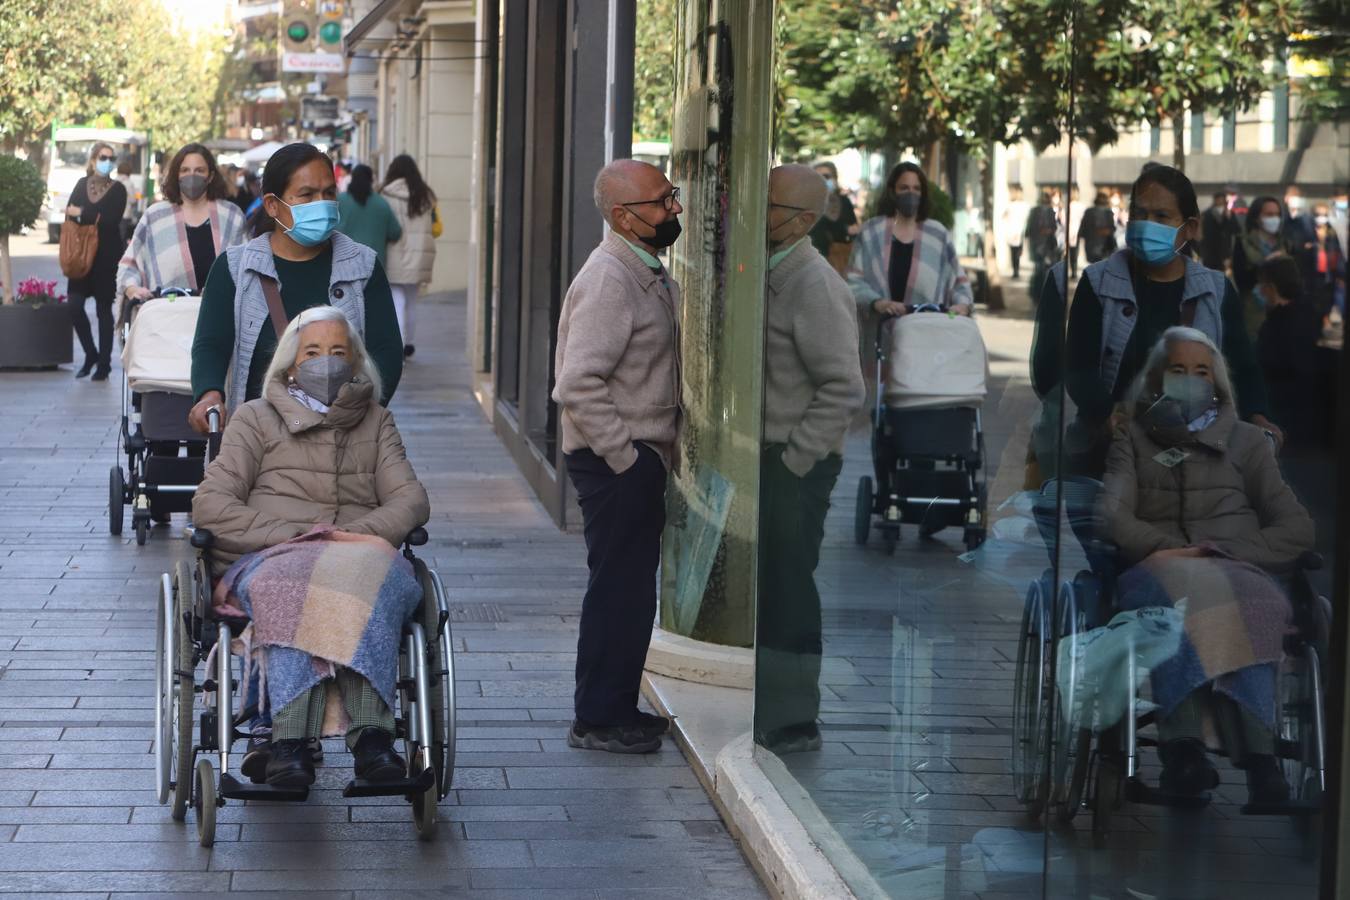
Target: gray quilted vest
353, 264
1111, 282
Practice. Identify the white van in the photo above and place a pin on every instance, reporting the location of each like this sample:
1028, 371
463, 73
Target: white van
69, 160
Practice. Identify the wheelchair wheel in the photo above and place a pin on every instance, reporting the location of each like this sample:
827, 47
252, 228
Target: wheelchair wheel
862, 511
1072, 742
1030, 703
440, 675
1301, 723
1106, 797
204, 802
166, 656
117, 498
423, 804
184, 590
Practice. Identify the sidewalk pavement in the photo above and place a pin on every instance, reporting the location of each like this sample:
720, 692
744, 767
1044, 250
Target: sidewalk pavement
528, 817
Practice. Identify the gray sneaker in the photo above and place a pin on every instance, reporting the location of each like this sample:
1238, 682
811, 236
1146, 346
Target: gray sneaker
612, 738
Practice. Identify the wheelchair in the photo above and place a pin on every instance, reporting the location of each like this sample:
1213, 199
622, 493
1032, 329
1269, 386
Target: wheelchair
1064, 763
193, 660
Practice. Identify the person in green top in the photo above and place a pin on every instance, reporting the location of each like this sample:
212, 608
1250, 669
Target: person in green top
366, 216
313, 267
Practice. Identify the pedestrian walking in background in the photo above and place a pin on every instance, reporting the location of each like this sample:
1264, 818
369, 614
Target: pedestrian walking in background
813, 386
1075, 223
178, 239
833, 232
1097, 229
1261, 239
97, 199
365, 216
1328, 289
1042, 242
903, 259
413, 256
1340, 216
295, 260
618, 386
246, 193
1218, 230
126, 176
1014, 226
1299, 233
1287, 346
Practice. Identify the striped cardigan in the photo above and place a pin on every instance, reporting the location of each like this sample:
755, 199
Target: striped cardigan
158, 255
935, 275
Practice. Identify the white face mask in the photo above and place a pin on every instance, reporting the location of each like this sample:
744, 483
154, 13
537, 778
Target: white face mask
1270, 224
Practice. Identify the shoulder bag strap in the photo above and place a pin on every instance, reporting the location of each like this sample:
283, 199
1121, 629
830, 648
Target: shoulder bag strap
275, 307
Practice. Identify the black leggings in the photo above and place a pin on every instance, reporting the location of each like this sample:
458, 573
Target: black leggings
103, 306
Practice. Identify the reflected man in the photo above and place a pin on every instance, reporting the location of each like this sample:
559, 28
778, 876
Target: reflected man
618, 386
812, 388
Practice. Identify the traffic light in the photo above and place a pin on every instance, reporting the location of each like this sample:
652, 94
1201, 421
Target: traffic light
330, 26
298, 26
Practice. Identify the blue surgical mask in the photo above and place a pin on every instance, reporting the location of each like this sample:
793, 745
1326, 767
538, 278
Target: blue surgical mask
314, 222
1152, 243
104, 167
830, 185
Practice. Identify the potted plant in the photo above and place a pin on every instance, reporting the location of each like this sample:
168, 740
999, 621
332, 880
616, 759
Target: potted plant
34, 321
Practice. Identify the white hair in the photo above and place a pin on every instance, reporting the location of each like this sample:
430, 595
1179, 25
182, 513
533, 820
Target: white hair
1149, 381
289, 346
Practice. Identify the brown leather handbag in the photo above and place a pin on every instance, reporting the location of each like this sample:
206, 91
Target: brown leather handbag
79, 244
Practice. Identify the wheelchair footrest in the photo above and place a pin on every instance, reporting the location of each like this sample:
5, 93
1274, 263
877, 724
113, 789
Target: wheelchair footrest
234, 789
359, 787
1136, 791
1287, 808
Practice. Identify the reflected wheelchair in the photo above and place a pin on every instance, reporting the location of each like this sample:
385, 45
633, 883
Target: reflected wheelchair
1063, 763
196, 716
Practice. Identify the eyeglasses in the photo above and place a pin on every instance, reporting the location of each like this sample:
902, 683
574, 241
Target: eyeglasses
668, 201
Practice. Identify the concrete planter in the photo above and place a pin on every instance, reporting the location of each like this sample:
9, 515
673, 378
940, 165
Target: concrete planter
34, 337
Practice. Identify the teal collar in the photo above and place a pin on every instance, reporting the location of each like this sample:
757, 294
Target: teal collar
651, 261
781, 255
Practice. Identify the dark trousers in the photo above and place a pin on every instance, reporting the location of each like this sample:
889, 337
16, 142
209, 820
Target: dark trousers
623, 517
1015, 253
791, 526
103, 306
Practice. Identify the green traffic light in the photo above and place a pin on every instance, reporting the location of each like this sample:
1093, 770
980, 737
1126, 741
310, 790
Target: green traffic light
330, 32
297, 31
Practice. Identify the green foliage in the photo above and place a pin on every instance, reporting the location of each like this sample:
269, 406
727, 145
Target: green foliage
654, 70
21, 192
78, 61
1323, 39
940, 206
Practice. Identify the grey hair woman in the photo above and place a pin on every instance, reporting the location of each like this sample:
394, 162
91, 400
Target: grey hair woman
1196, 506
292, 351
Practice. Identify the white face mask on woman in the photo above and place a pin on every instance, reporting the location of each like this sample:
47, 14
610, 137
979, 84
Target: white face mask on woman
1270, 224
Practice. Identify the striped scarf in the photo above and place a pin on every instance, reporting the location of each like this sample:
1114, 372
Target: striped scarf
158, 255
935, 275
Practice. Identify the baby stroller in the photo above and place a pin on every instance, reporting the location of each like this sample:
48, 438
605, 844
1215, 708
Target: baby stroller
164, 454
927, 440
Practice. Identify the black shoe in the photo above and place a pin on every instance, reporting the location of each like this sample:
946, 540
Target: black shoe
612, 738
802, 738
101, 374
651, 724
1187, 771
1266, 785
408, 351
290, 764
86, 368
316, 750
254, 766
376, 759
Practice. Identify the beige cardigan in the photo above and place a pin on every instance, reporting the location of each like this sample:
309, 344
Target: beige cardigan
617, 362
284, 468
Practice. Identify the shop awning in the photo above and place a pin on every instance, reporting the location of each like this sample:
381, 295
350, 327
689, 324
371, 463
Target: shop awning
361, 29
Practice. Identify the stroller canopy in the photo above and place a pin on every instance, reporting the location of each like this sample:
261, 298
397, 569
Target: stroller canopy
936, 360
157, 355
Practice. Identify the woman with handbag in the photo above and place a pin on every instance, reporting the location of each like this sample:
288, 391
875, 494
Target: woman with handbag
412, 256
94, 216
833, 233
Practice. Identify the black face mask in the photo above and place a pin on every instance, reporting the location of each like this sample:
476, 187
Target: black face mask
667, 232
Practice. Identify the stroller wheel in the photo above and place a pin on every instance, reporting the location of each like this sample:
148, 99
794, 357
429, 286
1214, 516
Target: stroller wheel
117, 498
862, 511
142, 531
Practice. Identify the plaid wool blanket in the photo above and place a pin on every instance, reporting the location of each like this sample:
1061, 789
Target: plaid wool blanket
325, 599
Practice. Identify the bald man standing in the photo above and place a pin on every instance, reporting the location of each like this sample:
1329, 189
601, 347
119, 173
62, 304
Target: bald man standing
618, 384
813, 386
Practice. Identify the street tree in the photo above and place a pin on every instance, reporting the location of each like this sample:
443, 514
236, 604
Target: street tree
21, 193
1322, 44
654, 70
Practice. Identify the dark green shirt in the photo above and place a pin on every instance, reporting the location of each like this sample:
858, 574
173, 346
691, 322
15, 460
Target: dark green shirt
303, 284
1158, 306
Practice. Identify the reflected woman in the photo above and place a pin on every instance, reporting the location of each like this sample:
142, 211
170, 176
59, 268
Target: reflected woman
812, 388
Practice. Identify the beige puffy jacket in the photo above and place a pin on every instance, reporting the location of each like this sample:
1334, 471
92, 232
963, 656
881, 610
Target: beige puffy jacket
1227, 493
411, 257
284, 468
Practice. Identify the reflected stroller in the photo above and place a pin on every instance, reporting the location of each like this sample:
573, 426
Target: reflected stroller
927, 439
164, 455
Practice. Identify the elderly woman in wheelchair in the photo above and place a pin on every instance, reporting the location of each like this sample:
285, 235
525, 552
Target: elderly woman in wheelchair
1195, 504
305, 505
